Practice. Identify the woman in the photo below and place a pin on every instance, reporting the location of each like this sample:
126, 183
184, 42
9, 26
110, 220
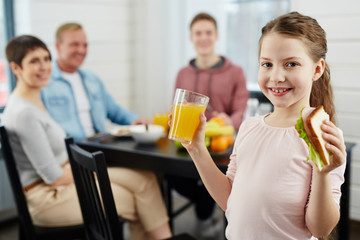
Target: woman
39, 149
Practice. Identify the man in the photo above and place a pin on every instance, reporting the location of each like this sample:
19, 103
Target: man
77, 98
217, 77
213, 75
78, 101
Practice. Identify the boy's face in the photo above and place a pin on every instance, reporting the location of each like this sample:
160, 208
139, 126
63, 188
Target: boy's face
204, 35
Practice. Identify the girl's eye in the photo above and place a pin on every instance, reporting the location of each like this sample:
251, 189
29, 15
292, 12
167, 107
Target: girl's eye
266, 65
292, 64
34, 60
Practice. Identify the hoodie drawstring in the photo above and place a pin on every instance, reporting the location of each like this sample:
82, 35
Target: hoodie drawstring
209, 108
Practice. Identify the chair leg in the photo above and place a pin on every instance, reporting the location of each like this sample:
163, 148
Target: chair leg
22, 235
166, 190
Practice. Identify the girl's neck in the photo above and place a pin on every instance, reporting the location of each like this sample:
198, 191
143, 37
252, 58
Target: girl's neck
283, 117
32, 95
205, 62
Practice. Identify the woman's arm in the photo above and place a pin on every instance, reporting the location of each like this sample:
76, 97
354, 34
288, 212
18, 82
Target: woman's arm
32, 133
65, 178
215, 181
323, 212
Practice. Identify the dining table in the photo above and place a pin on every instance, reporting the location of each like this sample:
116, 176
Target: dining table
165, 157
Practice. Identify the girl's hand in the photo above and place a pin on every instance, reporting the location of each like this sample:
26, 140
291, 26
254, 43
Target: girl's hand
335, 144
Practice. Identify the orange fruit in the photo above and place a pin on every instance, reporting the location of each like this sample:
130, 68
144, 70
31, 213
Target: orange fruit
218, 120
219, 143
230, 139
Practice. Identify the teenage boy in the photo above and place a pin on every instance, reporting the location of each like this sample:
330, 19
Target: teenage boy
224, 82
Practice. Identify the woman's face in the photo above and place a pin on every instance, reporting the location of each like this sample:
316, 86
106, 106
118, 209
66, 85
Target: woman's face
35, 69
286, 71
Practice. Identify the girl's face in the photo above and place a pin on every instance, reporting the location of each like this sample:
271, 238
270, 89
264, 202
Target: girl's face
204, 36
35, 68
286, 71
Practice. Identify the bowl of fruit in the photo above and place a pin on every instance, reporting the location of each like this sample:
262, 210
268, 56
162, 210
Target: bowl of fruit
218, 136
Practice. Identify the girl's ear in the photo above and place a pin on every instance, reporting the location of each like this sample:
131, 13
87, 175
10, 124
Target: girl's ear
319, 69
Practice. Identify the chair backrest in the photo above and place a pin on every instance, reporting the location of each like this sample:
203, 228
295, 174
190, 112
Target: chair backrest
97, 207
23, 212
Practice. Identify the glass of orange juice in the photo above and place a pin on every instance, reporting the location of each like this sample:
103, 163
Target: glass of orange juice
187, 107
162, 119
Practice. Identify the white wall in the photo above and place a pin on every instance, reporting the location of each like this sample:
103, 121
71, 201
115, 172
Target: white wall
109, 28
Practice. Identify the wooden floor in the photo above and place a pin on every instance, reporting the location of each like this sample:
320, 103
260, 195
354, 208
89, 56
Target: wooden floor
186, 222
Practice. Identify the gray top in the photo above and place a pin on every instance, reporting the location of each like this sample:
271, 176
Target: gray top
36, 139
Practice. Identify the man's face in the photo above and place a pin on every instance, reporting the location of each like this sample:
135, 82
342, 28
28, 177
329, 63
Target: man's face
72, 50
204, 36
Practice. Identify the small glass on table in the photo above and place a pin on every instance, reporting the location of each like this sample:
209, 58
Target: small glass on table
162, 119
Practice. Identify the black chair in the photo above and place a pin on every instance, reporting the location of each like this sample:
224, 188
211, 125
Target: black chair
100, 216
97, 204
173, 213
27, 229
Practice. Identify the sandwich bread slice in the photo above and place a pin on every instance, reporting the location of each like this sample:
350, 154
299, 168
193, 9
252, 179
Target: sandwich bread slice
308, 126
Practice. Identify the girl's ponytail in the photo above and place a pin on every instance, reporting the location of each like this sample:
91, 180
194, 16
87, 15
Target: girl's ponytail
322, 94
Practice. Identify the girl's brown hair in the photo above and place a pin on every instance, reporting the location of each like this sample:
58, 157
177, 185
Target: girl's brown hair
307, 30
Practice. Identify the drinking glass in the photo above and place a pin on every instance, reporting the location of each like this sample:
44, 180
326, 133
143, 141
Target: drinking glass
187, 107
162, 119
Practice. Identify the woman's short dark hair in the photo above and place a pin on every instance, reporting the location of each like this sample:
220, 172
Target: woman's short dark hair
18, 47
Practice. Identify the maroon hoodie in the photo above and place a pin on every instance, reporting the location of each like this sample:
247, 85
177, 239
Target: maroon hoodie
225, 85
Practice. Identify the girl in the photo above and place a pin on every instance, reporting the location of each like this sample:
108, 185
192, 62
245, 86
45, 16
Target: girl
39, 149
270, 191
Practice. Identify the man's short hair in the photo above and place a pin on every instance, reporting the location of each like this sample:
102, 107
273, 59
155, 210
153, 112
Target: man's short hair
203, 16
66, 27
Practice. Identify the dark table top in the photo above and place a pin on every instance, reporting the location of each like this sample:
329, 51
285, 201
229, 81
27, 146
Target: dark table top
162, 156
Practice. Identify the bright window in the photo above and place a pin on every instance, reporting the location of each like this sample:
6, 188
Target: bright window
245, 18
4, 74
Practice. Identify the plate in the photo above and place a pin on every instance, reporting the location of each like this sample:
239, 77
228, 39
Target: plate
121, 131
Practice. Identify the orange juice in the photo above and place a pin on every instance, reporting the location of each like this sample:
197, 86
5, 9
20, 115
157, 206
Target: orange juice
162, 119
185, 120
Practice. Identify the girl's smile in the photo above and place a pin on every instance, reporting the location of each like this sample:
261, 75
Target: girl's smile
280, 91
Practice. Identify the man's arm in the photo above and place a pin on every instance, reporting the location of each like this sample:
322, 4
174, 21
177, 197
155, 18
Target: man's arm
115, 112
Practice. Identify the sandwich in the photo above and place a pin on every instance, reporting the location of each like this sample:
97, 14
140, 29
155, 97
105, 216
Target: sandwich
308, 126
